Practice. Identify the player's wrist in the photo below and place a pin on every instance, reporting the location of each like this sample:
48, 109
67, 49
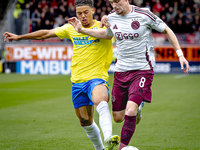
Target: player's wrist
18, 37
179, 52
81, 30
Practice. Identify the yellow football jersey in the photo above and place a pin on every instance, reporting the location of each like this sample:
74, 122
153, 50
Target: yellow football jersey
91, 56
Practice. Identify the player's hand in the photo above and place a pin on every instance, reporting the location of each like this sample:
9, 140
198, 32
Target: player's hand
104, 22
75, 23
10, 36
183, 62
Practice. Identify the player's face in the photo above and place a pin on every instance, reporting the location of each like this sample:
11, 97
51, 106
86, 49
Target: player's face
119, 6
85, 15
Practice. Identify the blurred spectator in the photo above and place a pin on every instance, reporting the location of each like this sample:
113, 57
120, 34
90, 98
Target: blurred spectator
38, 25
59, 19
157, 8
35, 15
109, 9
43, 3
98, 11
55, 25
30, 26
63, 11
48, 25
180, 27
197, 12
187, 27
172, 12
32, 6
66, 19
96, 17
71, 2
17, 19
180, 16
182, 6
54, 4
61, 2
52, 14
188, 11
39, 7
196, 23
71, 10
147, 5
172, 24
102, 14
43, 18
163, 17
98, 4
138, 2
103, 9
197, 36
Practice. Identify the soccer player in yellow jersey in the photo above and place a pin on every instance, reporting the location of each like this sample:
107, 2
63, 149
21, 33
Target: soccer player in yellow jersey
90, 62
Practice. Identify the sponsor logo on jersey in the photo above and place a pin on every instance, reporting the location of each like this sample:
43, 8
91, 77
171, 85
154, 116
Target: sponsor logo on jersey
120, 36
115, 27
84, 41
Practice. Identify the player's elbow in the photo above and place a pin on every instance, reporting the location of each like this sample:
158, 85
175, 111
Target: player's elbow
109, 37
106, 37
47, 34
167, 30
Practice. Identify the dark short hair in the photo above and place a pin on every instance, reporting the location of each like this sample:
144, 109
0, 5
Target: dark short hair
84, 3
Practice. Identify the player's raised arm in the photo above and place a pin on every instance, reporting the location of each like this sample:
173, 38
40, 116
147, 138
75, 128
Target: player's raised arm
37, 35
174, 41
100, 33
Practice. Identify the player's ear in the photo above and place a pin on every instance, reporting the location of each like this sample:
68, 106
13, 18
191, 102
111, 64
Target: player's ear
93, 10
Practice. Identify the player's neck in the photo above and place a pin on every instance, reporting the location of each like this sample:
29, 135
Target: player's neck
89, 25
127, 10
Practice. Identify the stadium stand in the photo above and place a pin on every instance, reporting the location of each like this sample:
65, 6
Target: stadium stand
182, 16
175, 13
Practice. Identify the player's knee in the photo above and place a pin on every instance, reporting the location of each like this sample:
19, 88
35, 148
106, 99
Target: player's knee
97, 102
131, 112
118, 118
85, 122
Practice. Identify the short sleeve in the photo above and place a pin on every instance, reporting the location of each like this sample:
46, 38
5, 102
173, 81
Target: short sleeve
62, 32
109, 32
158, 25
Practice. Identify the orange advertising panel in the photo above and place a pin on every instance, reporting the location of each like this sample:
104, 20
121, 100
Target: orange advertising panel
42, 52
167, 53
62, 52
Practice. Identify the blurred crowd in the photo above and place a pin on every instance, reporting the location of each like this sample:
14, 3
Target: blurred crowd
182, 16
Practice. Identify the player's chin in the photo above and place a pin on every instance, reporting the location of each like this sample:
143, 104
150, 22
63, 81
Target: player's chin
85, 25
119, 12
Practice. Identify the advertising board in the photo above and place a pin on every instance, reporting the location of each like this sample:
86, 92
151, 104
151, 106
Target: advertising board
51, 59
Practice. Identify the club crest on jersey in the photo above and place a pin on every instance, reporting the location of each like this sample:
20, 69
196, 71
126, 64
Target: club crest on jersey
135, 25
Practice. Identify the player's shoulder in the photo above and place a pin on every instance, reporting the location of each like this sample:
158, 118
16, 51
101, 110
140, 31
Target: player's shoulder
144, 12
97, 23
66, 26
112, 12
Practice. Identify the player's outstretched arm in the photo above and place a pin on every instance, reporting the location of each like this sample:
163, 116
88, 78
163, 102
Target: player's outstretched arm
174, 41
101, 33
37, 35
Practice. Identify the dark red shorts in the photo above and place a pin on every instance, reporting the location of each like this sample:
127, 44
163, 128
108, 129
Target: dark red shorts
128, 85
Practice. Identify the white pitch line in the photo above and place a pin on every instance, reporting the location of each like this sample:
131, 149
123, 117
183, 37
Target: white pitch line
181, 76
22, 90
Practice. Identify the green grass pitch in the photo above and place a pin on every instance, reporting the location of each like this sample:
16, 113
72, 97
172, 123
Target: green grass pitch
36, 113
